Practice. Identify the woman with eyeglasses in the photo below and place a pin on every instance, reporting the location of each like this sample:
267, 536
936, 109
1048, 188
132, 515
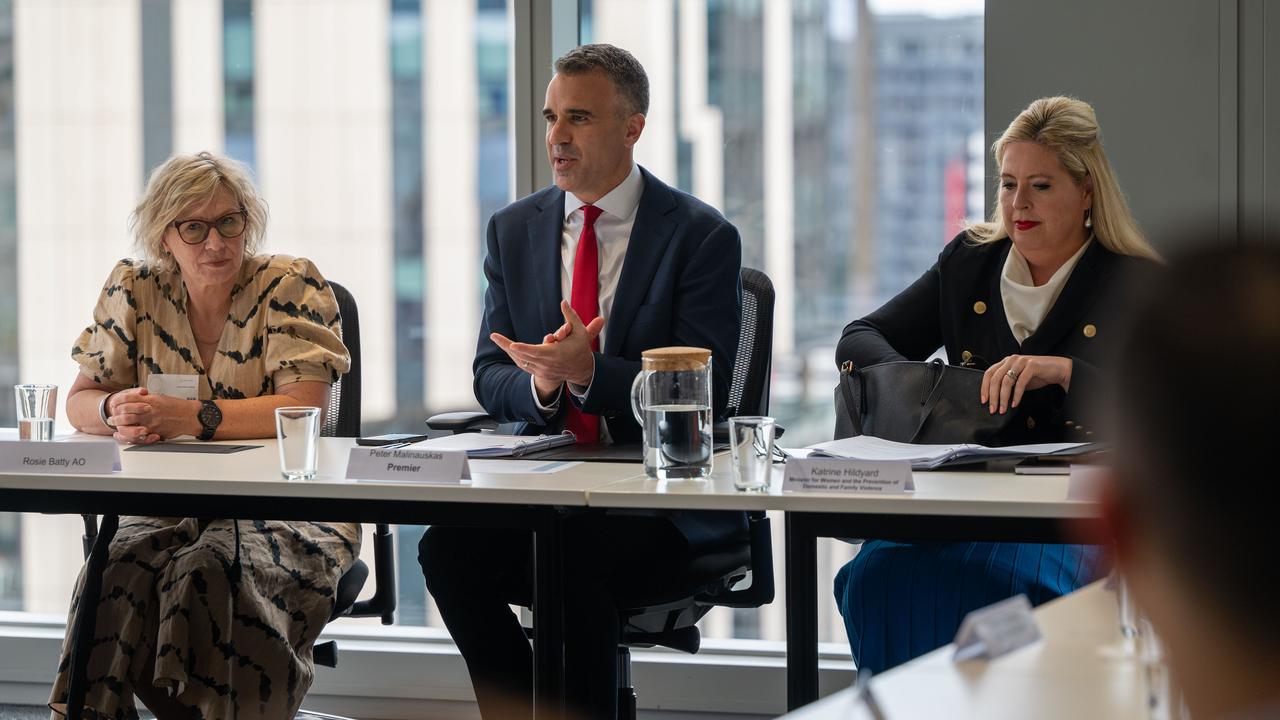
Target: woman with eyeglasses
204, 337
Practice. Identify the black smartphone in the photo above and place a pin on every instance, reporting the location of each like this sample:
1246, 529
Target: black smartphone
390, 438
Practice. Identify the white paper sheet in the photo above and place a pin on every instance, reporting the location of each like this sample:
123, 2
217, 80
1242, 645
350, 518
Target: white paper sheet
533, 467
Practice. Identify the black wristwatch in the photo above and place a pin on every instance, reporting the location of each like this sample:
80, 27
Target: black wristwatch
210, 417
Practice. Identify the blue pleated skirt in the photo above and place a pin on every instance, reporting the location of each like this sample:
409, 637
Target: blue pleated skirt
902, 600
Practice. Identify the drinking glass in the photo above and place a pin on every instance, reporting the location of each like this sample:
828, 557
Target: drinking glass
37, 406
298, 430
751, 451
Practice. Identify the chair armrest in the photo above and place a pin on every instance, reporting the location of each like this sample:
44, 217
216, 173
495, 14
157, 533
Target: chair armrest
383, 602
460, 422
761, 590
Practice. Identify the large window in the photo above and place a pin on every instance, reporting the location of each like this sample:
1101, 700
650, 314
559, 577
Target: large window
844, 139
378, 134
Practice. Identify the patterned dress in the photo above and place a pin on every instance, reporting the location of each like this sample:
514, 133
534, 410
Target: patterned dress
225, 612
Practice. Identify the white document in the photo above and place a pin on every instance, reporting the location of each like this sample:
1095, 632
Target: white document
183, 387
927, 457
847, 476
481, 445
523, 467
789, 453
997, 629
63, 457
408, 464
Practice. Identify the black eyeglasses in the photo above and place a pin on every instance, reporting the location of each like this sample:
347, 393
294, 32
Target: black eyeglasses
229, 226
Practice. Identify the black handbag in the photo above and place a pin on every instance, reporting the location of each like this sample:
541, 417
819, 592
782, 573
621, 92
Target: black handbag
929, 403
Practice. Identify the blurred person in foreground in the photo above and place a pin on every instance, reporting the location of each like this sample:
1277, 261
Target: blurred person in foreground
1192, 510
1037, 298
207, 618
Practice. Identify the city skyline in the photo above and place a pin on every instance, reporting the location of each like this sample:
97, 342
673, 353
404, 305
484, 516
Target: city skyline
403, 140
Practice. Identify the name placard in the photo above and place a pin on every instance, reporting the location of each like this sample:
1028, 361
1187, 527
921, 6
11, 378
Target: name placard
848, 476
407, 464
59, 457
997, 629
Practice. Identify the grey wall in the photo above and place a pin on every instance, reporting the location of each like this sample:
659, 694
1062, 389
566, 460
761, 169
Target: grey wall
1259, 127
1182, 89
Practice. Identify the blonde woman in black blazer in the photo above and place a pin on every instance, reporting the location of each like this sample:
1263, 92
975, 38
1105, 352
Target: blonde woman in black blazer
1036, 298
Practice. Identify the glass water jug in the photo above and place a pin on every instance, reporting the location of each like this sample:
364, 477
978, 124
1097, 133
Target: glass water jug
671, 399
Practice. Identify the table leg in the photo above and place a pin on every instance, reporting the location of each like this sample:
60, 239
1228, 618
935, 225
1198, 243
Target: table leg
87, 616
802, 612
548, 619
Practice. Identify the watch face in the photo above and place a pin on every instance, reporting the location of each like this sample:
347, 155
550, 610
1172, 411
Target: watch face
209, 415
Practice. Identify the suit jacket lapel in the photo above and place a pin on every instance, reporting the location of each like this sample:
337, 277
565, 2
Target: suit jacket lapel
650, 236
1078, 295
544, 253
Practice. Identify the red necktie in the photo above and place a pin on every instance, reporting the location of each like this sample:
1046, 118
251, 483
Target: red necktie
585, 300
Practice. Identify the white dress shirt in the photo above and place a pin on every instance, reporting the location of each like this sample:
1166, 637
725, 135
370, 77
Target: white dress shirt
1025, 303
613, 234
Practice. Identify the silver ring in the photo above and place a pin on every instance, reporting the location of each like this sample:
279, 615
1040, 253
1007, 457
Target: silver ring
1013, 374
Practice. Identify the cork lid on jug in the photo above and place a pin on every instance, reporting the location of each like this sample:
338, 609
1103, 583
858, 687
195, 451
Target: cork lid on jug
675, 358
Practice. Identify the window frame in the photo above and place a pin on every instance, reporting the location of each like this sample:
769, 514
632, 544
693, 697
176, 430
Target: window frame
750, 674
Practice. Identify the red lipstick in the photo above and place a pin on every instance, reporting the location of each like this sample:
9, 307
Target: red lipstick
1024, 225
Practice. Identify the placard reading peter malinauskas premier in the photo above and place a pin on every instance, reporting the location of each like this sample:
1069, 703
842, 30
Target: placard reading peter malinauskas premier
407, 464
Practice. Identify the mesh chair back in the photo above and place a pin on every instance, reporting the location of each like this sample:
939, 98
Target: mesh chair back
749, 388
342, 419
342, 416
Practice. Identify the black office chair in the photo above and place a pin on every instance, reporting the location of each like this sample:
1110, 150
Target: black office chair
749, 388
669, 616
342, 419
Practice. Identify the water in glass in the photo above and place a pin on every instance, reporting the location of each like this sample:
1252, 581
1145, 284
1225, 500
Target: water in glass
35, 429
671, 399
751, 451
682, 441
297, 429
37, 406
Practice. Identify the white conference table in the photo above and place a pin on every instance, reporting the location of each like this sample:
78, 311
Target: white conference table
1081, 668
256, 473
946, 505
247, 484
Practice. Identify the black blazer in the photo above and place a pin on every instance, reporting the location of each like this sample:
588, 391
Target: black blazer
679, 286
957, 305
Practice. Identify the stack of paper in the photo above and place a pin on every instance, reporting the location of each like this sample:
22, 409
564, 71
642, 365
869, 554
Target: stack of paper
487, 445
928, 457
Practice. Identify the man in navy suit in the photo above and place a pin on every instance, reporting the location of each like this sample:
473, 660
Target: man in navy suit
583, 277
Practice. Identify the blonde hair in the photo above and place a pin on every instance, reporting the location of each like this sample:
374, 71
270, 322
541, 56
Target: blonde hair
1069, 128
186, 180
